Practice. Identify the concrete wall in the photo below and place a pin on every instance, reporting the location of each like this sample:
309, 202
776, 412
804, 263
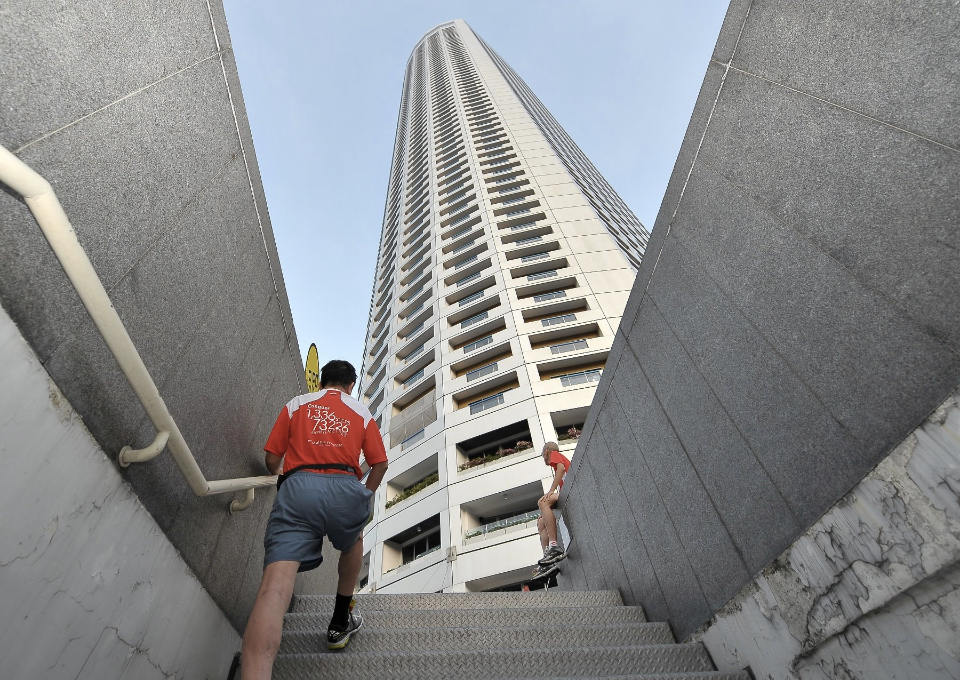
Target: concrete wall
133, 111
89, 585
796, 314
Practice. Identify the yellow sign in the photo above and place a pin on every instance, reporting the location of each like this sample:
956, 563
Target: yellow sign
312, 370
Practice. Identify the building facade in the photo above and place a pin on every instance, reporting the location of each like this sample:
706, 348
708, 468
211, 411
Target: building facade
505, 263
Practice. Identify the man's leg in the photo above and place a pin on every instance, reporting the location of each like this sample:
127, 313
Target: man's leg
345, 622
549, 519
349, 568
542, 530
262, 637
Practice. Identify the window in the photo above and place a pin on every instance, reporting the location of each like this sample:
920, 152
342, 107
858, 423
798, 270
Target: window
542, 275
568, 346
421, 547
534, 257
516, 227
485, 403
563, 318
517, 212
477, 344
525, 241
480, 372
543, 297
470, 298
460, 233
476, 318
580, 378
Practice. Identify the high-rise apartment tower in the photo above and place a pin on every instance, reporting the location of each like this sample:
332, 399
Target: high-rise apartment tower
505, 263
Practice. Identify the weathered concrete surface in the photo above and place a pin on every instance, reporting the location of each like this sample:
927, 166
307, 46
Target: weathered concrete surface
90, 587
872, 589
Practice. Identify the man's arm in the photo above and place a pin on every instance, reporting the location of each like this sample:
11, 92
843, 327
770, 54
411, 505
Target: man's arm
274, 463
557, 478
375, 476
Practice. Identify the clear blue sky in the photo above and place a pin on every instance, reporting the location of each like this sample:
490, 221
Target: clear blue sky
321, 82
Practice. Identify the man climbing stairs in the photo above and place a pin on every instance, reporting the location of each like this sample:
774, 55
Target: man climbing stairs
490, 636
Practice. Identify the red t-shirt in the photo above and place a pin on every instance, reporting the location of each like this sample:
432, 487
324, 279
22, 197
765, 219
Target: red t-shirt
326, 427
557, 458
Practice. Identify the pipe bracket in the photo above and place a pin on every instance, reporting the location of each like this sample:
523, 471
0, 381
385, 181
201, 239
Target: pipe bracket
129, 455
238, 506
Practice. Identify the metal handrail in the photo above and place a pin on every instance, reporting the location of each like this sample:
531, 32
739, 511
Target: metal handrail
47, 211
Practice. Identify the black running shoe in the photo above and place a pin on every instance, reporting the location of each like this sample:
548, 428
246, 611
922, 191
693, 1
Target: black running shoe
338, 639
552, 554
544, 571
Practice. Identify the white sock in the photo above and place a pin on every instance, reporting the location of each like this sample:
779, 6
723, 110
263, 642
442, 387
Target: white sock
553, 544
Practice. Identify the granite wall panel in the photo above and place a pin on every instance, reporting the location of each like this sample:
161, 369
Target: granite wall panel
796, 313
141, 129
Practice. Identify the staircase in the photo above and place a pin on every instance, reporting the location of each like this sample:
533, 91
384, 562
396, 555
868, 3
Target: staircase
490, 636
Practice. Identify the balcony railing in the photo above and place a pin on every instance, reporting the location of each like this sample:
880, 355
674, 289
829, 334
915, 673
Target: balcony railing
484, 529
543, 297
555, 320
542, 275
476, 318
580, 378
485, 403
568, 346
468, 279
481, 372
477, 344
470, 298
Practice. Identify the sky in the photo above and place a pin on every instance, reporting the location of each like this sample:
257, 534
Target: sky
322, 81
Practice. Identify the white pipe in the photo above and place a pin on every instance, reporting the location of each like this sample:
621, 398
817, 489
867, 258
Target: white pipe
46, 209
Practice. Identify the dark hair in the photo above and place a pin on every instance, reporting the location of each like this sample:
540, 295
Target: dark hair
338, 373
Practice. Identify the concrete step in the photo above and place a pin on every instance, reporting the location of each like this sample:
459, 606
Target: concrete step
473, 618
512, 600
695, 675
543, 637
573, 662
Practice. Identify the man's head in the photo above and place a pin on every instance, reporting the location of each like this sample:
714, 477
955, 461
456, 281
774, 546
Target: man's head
547, 449
339, 374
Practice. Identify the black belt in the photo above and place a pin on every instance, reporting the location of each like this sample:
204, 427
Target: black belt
324, 466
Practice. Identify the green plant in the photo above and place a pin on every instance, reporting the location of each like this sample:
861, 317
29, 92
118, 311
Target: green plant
572, 433
483, 459
416, 488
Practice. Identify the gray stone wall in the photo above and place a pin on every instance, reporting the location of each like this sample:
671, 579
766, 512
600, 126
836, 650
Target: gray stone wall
133, 112
796, 314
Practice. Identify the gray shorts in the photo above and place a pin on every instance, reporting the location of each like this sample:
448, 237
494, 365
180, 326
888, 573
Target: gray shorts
310, 506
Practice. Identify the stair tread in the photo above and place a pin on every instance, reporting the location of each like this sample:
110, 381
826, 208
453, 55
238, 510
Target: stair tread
532, 662
482, 637
455, 618
429, 601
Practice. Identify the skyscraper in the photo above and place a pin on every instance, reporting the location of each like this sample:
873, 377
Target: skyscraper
505, 263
